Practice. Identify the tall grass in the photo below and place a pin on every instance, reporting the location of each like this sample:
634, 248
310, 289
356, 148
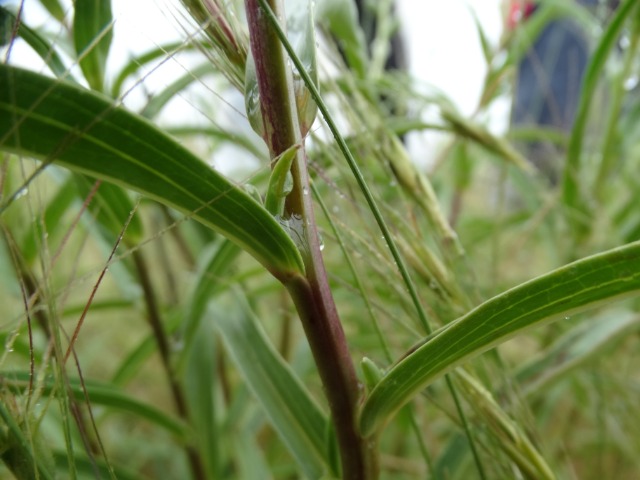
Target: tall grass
334, 311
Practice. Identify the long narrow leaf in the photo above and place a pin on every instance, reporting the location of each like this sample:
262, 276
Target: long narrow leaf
572, 288
105, 395
92, 35
83, 131
295, 416
575, 348
39, 44
572, 195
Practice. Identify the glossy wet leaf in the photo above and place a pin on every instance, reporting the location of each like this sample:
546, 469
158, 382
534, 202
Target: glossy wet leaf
575, 287
280, 181
83, 131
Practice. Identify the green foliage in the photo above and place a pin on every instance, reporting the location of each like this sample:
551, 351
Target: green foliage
493, 316
84, 132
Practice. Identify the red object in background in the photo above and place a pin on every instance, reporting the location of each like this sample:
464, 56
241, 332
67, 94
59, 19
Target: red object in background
519, 10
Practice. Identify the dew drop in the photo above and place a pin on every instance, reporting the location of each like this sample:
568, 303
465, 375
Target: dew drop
631, 82
21, 193
625, 42
305, 190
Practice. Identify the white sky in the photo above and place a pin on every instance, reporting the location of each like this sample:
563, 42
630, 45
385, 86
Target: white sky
441, 38
443, 44
442, 41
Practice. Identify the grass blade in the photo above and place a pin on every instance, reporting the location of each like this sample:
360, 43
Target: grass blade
585, 342
572, 288
107, 396
572, 195
111, 207
39, 44
92, 35
85, 132
299, 421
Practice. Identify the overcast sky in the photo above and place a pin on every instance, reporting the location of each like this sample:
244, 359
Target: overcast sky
441, 38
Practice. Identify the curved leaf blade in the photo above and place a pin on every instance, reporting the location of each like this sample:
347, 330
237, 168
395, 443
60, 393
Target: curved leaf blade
83, 131
574, 287
92, 35
40, 45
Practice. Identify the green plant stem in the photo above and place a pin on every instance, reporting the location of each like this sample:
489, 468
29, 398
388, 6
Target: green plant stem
153, 313
311, 294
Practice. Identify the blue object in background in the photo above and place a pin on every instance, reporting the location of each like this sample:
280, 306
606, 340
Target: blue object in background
548, 82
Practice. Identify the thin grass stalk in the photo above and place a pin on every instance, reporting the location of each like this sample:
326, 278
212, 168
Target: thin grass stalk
311, 294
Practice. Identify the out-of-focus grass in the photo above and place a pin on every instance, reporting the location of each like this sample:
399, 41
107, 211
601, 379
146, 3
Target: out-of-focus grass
475, 225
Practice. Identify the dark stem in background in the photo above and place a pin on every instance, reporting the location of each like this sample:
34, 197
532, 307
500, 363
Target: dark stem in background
155, 322
311, 294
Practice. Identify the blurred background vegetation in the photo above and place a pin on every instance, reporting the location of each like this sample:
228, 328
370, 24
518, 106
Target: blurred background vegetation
154, 382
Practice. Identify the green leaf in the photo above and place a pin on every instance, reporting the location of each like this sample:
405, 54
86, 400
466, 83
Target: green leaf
199, 387
216, 264
17, 449
62, 123
487, 49
41, 46
105, 395
572, 195
294, 415
49, 223
341, 19
54, 8
88, 467
569, 289
157, 103
301, 33
585, 342
480, 135
136, 63
111, 207
280, 182
92, 34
